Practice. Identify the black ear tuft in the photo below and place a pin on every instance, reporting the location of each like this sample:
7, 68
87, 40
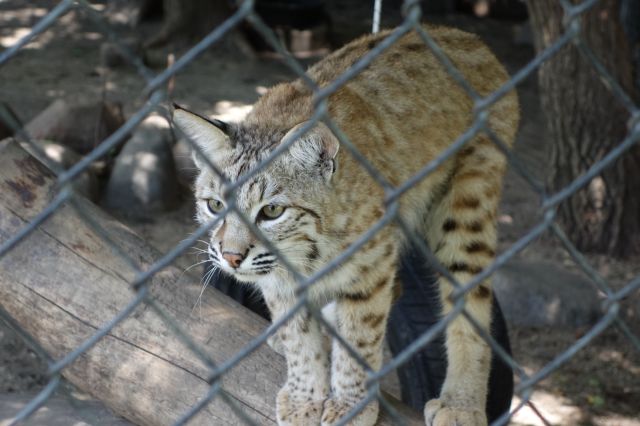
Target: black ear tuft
219, 124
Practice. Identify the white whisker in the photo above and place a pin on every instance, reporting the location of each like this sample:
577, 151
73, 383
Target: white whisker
191, 267
206, 279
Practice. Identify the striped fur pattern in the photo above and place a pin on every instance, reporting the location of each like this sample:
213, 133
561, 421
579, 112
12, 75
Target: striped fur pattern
316, 200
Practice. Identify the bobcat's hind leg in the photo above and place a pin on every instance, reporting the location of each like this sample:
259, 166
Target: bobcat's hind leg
463, 396
462, 233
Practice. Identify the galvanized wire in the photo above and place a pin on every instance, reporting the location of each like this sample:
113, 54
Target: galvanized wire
156, 96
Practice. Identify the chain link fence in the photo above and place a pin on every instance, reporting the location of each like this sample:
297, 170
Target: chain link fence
156, 92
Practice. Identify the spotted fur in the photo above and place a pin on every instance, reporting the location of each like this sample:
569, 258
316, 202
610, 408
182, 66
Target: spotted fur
400, 113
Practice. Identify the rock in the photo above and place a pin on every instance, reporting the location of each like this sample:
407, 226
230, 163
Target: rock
185, 167
144, 180
543, 294
59, 411
80, 126
63, 157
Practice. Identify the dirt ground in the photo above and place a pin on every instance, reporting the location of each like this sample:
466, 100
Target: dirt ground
600, 385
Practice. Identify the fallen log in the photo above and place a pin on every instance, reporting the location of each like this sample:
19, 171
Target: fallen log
63, 282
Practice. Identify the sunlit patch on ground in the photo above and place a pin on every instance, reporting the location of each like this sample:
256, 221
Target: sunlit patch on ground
230, 111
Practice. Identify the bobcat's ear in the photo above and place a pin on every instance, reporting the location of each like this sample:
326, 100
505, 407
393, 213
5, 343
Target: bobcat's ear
316, 149
210, 135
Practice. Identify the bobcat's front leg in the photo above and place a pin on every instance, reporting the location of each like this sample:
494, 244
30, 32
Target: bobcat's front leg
300, 400
361, 319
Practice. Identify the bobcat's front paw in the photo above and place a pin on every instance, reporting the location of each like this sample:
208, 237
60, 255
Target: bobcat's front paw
294, 410
335, 409
438, 412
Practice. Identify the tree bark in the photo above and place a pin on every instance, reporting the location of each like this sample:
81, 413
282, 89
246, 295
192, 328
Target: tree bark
64, 282
586, 122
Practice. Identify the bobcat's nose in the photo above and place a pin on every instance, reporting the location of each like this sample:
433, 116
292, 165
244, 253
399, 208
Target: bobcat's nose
234, 259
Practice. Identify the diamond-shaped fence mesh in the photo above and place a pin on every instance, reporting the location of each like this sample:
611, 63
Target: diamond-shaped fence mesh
141, 282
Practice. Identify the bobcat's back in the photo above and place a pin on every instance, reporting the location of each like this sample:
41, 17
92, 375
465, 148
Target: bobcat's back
401, 112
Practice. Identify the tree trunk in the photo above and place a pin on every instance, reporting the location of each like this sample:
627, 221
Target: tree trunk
586, 122
186, 18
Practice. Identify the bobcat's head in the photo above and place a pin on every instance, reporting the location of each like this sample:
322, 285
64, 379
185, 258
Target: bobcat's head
285, 200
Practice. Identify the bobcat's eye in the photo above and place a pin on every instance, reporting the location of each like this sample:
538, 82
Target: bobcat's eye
271, 211
215, 206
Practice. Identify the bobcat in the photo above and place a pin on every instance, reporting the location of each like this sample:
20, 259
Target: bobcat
315, 199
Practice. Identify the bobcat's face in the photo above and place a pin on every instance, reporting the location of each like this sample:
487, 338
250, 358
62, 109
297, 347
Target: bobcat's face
282, 201
286, 220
